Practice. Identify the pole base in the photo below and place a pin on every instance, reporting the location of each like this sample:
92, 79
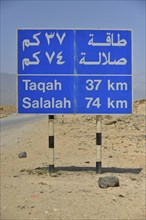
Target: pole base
51, 168
98, 167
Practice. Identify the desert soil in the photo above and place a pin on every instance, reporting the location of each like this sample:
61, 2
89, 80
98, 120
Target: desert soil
28, 191
6, 110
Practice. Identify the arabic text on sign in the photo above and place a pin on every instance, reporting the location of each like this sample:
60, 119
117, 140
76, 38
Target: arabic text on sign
121, 61
109, 41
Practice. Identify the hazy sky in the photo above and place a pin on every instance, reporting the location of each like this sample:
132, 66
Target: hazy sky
125, 14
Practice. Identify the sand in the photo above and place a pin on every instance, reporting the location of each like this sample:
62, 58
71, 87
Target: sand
28, 191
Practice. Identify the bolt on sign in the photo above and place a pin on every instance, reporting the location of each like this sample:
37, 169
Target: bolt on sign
74, 71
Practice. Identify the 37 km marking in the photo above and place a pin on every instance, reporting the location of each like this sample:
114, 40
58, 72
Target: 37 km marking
93, 84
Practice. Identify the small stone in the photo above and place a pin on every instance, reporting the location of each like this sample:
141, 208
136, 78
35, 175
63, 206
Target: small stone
23, 207
121, 195
15, 176
125, 151
111, 122
136, 126
42, 183
114, 199
127, 181
22, 154
110, 156
54, 175
133, 178
32, 206
108, 181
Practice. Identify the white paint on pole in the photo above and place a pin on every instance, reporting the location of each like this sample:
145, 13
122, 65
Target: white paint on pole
51, 127
98, 123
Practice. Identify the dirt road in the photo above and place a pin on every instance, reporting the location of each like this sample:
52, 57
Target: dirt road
28, 191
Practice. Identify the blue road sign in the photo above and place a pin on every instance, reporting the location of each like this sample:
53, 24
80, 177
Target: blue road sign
64, 71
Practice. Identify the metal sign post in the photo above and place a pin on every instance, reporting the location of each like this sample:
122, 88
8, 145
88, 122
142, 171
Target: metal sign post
98, 143
51, 142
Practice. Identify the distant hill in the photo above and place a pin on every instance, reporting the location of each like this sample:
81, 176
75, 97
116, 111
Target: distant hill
7, 89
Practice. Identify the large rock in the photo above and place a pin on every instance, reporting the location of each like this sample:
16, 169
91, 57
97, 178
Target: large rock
108, 181
22, 154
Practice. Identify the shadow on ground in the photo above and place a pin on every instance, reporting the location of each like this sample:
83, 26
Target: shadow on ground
92, 169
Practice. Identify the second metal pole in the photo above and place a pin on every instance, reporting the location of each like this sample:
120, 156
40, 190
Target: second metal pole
51, 142
98, 143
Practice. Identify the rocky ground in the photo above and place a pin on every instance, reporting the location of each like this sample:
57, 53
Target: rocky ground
6, 110
28, 191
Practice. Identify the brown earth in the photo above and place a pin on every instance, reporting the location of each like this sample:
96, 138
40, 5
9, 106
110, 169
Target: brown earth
6, 110
28, 191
